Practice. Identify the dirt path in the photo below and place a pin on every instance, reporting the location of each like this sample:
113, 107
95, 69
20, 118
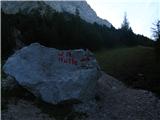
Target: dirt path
121, 103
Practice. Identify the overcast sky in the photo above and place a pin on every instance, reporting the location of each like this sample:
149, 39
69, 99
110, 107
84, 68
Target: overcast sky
140, 13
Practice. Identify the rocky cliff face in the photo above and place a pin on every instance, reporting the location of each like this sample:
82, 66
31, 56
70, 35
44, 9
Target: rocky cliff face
85, 11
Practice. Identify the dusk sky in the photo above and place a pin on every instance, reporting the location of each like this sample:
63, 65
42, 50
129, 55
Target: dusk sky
141, 14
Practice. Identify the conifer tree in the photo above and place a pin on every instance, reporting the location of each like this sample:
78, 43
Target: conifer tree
125, 24
156, 35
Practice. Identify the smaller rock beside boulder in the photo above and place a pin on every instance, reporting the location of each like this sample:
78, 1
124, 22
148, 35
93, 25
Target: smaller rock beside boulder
8, 83
55, 75
24, 110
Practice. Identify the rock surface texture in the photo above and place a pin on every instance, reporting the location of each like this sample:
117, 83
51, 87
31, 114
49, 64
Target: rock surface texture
54, 75
24, 110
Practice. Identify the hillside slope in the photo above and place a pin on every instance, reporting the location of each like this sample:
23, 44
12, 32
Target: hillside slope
136, 66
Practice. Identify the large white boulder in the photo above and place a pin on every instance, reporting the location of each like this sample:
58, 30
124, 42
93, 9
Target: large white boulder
54, 75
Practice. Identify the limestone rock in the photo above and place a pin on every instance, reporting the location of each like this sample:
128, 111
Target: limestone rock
54, 75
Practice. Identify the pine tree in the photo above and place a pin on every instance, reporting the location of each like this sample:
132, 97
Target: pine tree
156, 30
156, 35
125, 24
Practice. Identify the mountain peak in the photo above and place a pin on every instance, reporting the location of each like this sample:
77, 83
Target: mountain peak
85, 11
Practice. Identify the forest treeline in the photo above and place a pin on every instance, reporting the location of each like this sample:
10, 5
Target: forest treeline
64, 31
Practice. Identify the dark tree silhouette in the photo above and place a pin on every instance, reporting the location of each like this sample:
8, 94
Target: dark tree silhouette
156, 30
125, 24
156, 35
126, 34
65, 31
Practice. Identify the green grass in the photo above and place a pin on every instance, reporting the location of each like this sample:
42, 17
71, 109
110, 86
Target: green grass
136, 66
